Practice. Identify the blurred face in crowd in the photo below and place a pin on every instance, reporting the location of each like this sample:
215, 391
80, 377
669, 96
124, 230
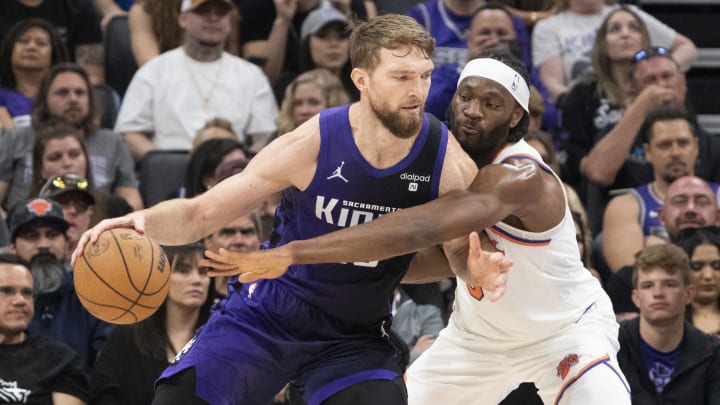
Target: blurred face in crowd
663, 72
240, 235
397, 89
624, 37
661, 296
63, 156
68, 97
212, 133
77, 212
672, 149
329, 47
488, 28
209, 24
39, 239
189, 283
16, 302
689, 203
705, 264
308, 100
32, 51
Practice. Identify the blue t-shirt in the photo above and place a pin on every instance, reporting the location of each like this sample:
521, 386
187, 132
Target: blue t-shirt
660, 365
18, 105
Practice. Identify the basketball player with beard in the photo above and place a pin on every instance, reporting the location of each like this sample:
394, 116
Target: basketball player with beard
38, 235
323, 327
547, 321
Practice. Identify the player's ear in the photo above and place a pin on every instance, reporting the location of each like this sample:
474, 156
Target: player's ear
517, 115
360, 78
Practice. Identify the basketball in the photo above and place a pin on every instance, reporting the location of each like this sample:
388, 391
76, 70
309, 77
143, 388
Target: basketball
123, 277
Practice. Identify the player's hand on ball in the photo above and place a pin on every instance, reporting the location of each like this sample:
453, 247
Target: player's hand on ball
488, 269
248, 266
134, 220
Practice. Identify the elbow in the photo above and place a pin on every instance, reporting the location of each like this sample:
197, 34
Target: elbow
596, 173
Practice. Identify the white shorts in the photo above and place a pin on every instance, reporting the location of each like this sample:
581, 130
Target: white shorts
576, 365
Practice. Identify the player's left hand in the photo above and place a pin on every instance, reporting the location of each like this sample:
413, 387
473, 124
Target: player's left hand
248, 266
488, 269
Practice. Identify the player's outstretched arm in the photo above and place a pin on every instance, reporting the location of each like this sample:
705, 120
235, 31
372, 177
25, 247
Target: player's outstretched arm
289, 161
497, 192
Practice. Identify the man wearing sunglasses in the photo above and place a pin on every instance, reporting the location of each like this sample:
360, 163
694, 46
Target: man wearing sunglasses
78, 204
617, 160
177, 92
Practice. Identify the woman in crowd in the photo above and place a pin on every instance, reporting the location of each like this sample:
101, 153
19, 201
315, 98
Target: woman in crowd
147, 348
324, 44
201, 171
307, 95
703, 248
27, 52
594, 105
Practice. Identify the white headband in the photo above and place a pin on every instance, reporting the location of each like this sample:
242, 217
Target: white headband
502, 74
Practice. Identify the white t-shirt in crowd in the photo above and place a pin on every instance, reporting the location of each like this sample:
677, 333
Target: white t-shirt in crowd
173, 95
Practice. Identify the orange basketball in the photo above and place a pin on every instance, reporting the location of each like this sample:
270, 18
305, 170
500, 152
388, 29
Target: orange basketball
123, 278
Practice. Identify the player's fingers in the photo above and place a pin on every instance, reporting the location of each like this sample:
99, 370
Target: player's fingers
474, 240
216, 265
223, 273
248, 277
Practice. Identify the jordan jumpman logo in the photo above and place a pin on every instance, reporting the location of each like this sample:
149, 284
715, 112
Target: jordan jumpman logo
338, 173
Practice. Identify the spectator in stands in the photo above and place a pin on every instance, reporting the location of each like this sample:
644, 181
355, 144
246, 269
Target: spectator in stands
491, 26
702, 246
562, 43
154, 29
77, 23
448, 21
631, 220
27, 52
174, 94
107, 9
531, 11
616, 160
148, 347
417, 325
35, 369
213, 129
201, 173
242, 235
271, 38
65, 95
325, 44
307, 95
38, 235
689, 203
596, 102
74, 195
664, 358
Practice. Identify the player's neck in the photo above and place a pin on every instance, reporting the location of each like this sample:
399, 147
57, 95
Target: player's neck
664, 338
380, 147
463, 7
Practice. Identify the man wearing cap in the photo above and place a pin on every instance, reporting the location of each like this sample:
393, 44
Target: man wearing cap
553, 324
175, 93
38, 236
72, 192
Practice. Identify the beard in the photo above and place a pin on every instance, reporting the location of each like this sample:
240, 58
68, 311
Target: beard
47, 272
481, 143
401, 127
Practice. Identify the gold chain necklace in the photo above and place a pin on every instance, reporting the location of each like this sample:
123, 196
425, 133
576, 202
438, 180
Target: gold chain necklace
205, 98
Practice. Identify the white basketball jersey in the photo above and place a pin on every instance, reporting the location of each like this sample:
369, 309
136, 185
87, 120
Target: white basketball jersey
547, 287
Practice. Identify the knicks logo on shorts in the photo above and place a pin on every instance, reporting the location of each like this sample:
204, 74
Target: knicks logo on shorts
563, 368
